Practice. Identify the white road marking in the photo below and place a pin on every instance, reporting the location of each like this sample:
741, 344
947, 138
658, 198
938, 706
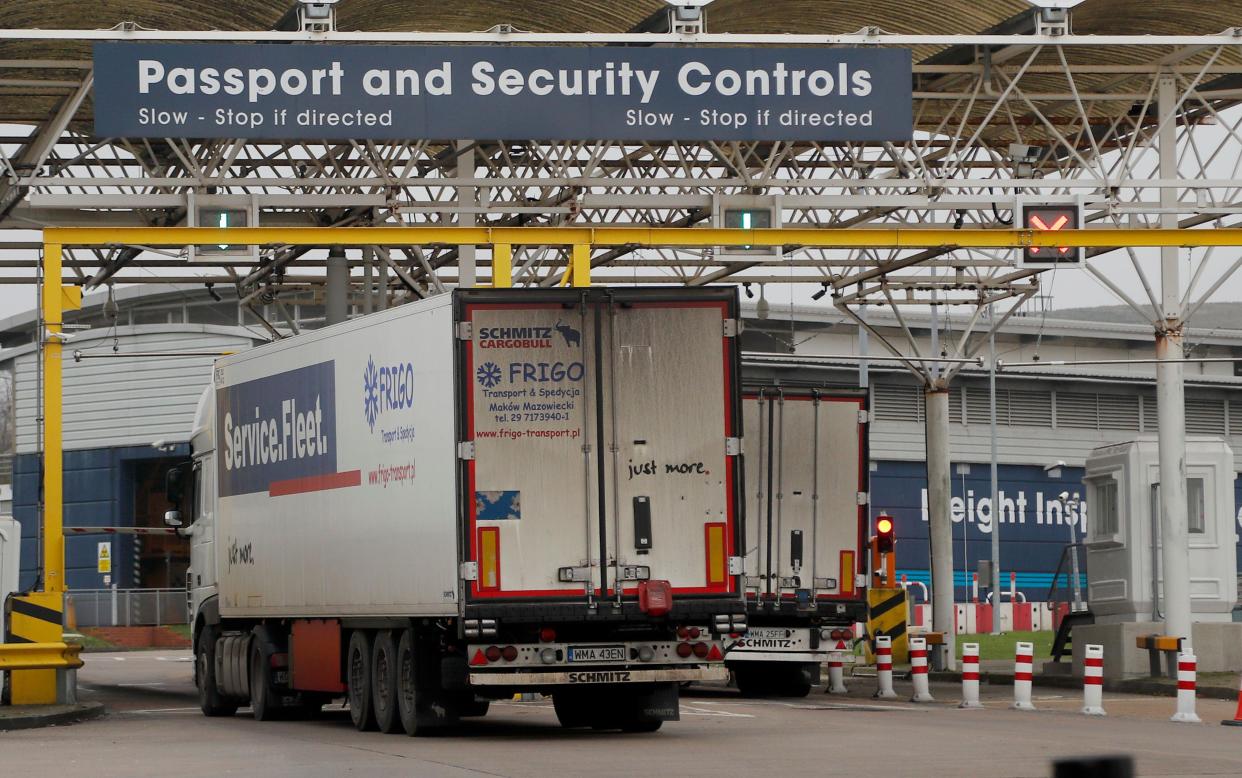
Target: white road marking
118, 658
159, 710
148, 683
696, 711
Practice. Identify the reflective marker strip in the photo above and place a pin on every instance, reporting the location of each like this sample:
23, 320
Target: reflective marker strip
714, 540
1186, 682
846, 577
489, 559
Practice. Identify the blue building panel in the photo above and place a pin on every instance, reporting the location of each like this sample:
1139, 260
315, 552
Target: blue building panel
98, 492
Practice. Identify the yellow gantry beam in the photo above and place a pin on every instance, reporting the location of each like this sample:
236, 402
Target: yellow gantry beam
902, 237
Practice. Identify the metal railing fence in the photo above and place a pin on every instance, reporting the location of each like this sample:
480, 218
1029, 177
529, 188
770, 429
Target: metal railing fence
129, 607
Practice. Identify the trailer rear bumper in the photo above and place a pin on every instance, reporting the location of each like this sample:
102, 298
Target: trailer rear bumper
788, 656
712, 672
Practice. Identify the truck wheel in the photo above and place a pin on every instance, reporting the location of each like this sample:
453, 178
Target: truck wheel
795, 681
210, 701
472, 707
572, 710
262, 702
358, 666
751, 681
384, 677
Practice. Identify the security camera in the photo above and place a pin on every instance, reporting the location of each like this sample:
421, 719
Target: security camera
1054, 465
688, 10
1063, 496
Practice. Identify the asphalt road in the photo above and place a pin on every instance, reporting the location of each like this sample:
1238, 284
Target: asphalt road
155, 729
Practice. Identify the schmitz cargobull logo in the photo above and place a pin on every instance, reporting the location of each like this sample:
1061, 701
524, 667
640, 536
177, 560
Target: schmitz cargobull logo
528, 337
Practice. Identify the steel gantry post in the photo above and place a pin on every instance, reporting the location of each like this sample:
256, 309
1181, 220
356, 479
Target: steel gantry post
1170, 391
940, 523
38, 617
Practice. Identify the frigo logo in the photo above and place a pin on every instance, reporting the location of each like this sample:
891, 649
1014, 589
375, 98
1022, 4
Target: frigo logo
386, 388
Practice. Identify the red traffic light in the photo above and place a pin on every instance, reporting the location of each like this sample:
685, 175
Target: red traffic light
1043, 217
885, 538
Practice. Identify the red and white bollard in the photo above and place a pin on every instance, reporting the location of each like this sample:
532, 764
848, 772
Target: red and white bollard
884, 668
970, 676
918, 670
1023, 666
1093, 681
836, 674
1186, 671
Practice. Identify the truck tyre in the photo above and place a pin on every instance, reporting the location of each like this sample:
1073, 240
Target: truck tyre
210, 701
263, 702
358, 675
572, 709
384, 680
751, 681
472, 707
795, 680
423, 708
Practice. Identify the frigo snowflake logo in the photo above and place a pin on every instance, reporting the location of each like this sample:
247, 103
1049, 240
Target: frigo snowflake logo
488, 374
370, 392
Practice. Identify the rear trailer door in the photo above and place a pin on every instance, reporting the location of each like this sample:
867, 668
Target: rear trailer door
806, 482
598, 426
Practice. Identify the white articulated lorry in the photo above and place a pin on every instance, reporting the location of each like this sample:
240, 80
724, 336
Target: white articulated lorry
805, 530
466, 497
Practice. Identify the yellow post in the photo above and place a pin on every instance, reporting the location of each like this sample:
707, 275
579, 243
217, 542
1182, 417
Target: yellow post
580, 264
38, 617
502, 265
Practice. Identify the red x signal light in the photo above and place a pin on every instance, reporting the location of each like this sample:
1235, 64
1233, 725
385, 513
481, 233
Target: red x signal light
1051, 218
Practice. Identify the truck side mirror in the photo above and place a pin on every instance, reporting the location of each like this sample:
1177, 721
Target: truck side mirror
174, 489
172, 518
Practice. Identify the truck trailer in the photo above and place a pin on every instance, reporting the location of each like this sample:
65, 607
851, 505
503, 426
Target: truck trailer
466, 497
806, 526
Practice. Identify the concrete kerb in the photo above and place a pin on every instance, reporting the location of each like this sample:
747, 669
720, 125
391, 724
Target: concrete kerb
14, 717
1130, 686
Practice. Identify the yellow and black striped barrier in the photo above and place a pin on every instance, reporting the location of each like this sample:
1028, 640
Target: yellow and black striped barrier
35, 619
887, 614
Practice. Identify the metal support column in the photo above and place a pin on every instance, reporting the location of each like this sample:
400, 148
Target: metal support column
940, 523
466, 201
336, 290
994, 584
1170, 391
38, 617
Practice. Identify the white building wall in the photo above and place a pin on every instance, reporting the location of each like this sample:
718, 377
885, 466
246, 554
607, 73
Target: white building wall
119, 401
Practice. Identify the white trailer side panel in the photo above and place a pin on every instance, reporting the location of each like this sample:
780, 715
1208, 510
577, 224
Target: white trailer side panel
336, 461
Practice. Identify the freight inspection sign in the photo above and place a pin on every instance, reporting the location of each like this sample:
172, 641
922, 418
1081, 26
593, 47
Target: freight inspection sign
501, 93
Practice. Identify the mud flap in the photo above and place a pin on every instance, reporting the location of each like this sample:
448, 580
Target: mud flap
662, 703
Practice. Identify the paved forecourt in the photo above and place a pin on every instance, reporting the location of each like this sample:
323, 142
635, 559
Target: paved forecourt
155, 729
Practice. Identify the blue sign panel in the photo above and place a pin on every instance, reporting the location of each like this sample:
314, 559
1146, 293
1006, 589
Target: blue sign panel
277, 430
320, 91
1034, 527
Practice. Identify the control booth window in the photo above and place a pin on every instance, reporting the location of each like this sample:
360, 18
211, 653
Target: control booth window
1196, 506
1104, 514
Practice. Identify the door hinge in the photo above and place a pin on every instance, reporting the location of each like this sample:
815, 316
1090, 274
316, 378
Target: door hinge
465, 450
735, 565
860, 581
864, 498
733, 328
863, 417
469, 571
465, 330
733, 447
